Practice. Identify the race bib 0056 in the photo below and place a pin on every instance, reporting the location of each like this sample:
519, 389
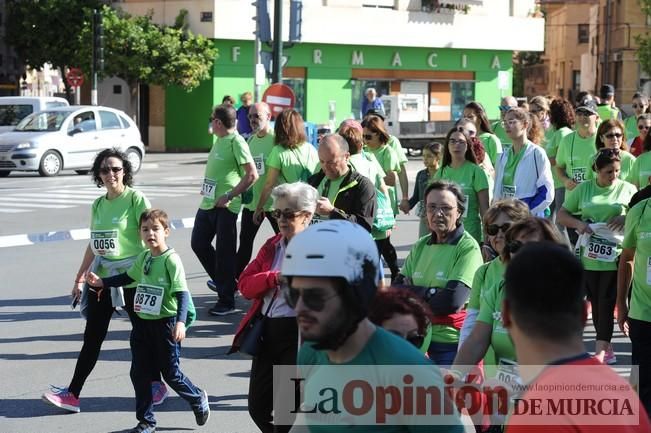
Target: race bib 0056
208, 188
104, 243
148, 299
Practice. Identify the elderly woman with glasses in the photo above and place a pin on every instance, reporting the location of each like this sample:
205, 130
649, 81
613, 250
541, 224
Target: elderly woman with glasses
460, 166
294, 205
596, 209
440, 267
113, 247
611, 134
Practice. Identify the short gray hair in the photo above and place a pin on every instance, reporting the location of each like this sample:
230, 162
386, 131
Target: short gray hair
299, 195
341, 142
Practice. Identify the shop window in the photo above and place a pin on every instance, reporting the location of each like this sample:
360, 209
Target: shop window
359, 93
298, 86
576, 80
584, 33
462, 93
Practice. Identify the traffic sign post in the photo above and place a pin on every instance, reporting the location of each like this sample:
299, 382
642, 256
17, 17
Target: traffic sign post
75, 78
279, 97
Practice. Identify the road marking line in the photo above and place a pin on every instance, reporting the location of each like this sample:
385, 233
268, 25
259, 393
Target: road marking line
16, 200
10, 210
50, 206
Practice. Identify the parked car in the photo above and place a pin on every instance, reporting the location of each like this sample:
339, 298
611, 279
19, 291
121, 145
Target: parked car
68, 138
13, 109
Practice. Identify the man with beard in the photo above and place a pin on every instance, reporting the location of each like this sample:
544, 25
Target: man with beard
332, 272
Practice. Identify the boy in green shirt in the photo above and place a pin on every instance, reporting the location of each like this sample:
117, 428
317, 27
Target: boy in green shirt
164, 307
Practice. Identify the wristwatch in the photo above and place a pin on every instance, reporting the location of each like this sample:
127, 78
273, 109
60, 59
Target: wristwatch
229, 195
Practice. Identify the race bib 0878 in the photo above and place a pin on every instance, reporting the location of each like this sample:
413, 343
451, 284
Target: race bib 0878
148, 299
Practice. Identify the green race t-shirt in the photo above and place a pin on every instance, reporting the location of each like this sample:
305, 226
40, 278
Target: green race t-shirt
389, 161
366, 164
492, 145
508, 179
260, 148
395, 145
630, 126
294, 165
551, 148
114, 230
223, 170
638, 235
433, 265
575, 155
472, 179
488, 275
628, 160
500, 132
155, 291
590, 202
641, 170
490, 312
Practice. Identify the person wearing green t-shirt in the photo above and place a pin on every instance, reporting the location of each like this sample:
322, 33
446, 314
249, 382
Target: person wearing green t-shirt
576, 150
165, 309
291, 160
442, 266
606, 107
230, 172
640, 173
507, 103
601, 200
261, 142
611, 135
492, 144
113, 247
460, 166
634, 292
639, 104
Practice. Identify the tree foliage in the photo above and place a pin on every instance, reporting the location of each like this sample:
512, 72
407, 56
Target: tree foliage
59, 32
644, 41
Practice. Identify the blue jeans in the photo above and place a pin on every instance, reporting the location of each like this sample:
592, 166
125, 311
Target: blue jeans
442, 353
218, 261
152, 344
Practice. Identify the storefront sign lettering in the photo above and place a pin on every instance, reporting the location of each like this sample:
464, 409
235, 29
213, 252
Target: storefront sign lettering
496, 63
235, 54
316, 57
431, 60
358, 58
396, 59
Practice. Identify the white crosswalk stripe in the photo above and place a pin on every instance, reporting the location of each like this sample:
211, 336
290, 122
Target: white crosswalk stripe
72, 196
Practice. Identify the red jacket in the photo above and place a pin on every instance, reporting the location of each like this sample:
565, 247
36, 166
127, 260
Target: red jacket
255, 282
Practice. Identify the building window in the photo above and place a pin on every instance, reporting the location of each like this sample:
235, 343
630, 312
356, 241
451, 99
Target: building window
298, 86
576, 80
206, 17
117, 89
385, 4
584, 33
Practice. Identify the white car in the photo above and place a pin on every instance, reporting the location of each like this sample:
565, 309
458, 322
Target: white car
68, 138
13, 109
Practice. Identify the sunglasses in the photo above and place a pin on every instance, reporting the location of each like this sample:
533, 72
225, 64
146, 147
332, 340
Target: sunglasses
614, 135
417, 340
493, 229
286, 214
641, 127
107, 170
505, 108
514, 246
608, 152
314, 299
468, 132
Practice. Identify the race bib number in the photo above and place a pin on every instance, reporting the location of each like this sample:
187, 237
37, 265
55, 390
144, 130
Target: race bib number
104, 243
148, 299
208, 188
600, 249
259, 164
508, 191
579, 174
507, 372
316, 219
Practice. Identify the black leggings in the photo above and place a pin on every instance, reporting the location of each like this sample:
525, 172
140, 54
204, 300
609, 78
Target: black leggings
97, 322
601, 287
387, 251
248, 230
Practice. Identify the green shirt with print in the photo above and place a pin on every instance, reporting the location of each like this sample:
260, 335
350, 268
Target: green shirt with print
551, 149
638, 235
500, 132
508, 178
294, 165
492, 145
472, 179
224, 171
395, 145
433, 265
628, 160
260, 148
575, 156
155, 294
488, 275
597, 204
114, 232
389, 161
490, 312
630, 126
641, 170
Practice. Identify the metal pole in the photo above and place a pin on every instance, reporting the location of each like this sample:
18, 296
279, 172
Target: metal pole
277, 75
606, 69
93, 69
256, 60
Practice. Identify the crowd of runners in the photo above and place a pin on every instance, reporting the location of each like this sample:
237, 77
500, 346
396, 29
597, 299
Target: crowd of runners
527, 226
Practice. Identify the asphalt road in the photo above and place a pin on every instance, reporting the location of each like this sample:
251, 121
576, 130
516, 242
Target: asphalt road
40, 335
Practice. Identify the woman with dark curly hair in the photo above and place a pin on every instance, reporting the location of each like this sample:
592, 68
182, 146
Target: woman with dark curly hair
114, 244
561, 117
403, 313
475, 112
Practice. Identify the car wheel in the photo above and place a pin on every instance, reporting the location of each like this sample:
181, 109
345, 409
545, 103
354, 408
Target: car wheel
135, 159
82, 172
4, 173
51, 164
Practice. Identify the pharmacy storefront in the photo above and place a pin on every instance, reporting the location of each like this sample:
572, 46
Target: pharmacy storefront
421, 84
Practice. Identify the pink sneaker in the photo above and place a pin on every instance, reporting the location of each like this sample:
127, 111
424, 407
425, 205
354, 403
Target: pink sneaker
609, 357
61, 397
159, 392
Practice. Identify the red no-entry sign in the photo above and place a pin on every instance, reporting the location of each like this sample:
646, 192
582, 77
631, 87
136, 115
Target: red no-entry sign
279, 97
75, 77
